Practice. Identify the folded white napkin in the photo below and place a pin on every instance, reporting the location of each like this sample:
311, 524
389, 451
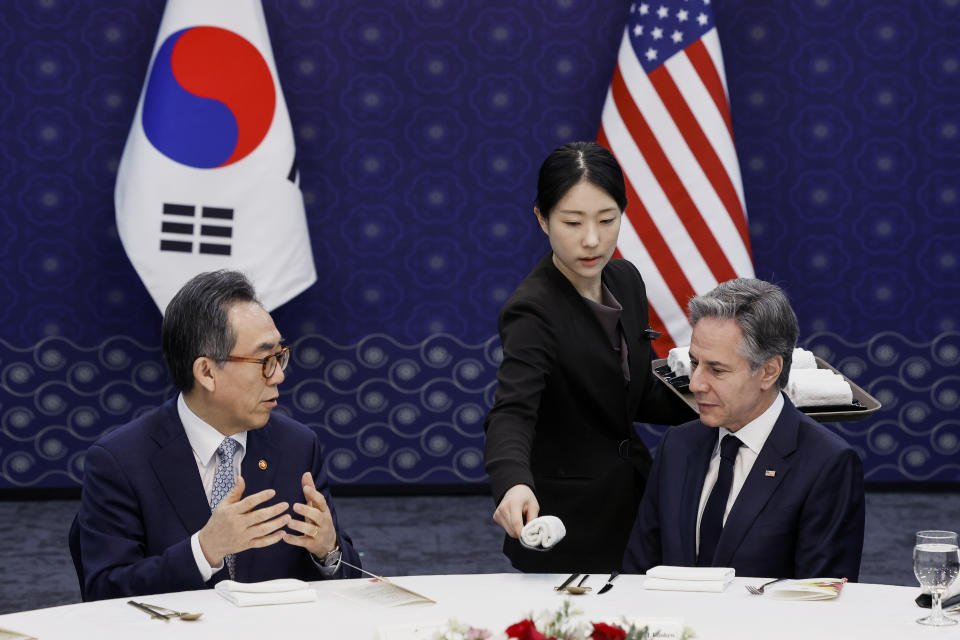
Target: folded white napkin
659, 584
803, 359
543, 532
818, 387
679, 360
667, 572
252, 594
667, 578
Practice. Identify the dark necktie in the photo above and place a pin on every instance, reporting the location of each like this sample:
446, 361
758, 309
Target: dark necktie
711, 523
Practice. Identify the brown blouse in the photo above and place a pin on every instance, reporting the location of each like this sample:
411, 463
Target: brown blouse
608, 314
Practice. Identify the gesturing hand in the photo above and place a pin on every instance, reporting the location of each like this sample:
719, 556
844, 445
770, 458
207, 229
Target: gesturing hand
518, 502
318, 536
236, 525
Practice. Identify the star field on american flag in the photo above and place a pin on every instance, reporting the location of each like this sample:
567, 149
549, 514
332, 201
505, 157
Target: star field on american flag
658, 30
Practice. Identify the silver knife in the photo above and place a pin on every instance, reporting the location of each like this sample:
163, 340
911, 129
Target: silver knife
609, 585
573, 576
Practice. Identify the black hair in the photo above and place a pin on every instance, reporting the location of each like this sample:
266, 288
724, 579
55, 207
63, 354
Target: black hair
196, 324
572, 163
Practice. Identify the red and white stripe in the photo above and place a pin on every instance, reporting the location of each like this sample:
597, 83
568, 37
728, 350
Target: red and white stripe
685, 226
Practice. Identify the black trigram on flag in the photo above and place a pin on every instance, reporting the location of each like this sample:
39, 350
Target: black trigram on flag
178, 228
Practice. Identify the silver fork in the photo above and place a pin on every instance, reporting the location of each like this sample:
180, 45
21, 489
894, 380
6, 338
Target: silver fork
758, 591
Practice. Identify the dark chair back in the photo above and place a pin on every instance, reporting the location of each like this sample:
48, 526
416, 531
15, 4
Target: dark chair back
74, 541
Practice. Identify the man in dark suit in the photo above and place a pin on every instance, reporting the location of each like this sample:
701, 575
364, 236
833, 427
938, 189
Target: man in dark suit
200, 489
754, 484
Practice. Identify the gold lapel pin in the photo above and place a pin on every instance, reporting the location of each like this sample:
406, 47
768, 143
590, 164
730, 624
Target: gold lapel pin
263, 465
770, 473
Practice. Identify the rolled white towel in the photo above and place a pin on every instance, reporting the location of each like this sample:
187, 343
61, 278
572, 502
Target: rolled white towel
543, 532
253, 594
803, 359
811, 389
679, 360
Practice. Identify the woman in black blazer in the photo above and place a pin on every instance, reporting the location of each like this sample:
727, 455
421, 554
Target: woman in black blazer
575, 375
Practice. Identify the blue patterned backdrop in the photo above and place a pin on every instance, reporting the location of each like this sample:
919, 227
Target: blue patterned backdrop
420, 126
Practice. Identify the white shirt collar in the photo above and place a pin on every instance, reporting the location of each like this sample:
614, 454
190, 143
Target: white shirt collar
204, 438
755, 433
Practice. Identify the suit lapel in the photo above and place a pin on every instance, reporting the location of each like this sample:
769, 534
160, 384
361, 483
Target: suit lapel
695, 472
176, 470
631, 331
261, 461
597, 336
759, 486
639, 369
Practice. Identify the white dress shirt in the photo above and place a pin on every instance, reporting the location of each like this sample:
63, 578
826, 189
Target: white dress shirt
753, 435
204, 441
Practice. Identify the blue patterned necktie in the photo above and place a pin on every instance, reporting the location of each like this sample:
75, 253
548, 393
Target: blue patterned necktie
223, 481
711, 522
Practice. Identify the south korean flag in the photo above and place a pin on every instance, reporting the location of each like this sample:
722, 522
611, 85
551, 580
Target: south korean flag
208, 178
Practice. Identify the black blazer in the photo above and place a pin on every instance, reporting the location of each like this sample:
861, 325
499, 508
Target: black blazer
562, 420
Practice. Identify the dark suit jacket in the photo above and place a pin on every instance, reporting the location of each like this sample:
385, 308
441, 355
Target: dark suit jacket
562, 410
805, 521
143, 499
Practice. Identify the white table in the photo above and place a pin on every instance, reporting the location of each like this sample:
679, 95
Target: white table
495, 601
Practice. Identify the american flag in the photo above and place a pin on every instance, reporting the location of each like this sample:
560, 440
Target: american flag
667, 120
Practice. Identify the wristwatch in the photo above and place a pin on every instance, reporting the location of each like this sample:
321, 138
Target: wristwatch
332, 558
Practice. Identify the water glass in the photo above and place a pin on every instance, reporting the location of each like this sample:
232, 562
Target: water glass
936, 562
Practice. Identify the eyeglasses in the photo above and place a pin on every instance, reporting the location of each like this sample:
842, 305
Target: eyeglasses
269, 363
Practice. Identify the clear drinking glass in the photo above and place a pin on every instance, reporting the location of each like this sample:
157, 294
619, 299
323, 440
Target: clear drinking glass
936, 562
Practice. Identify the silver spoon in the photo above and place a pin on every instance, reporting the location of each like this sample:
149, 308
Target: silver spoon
579, 589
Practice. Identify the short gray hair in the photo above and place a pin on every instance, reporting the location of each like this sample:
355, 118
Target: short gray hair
763, 312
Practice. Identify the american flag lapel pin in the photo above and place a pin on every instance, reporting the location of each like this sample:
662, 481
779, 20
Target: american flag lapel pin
770, 473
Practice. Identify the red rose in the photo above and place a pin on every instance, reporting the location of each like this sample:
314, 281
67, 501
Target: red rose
525, 630
604, 631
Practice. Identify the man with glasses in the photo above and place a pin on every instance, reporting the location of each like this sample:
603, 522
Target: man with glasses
211, 485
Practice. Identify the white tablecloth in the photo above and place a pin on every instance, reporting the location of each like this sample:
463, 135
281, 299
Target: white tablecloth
495, 601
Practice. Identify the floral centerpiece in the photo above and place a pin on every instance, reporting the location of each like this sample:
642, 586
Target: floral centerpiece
566, 623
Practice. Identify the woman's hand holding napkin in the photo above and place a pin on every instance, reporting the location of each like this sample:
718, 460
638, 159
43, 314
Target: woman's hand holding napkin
253, 594
543, 532
666, 578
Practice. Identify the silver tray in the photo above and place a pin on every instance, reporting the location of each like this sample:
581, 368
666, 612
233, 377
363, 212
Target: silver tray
864, 405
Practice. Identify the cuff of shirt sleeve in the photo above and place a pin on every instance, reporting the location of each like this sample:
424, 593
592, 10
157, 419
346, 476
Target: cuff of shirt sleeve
206, 571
